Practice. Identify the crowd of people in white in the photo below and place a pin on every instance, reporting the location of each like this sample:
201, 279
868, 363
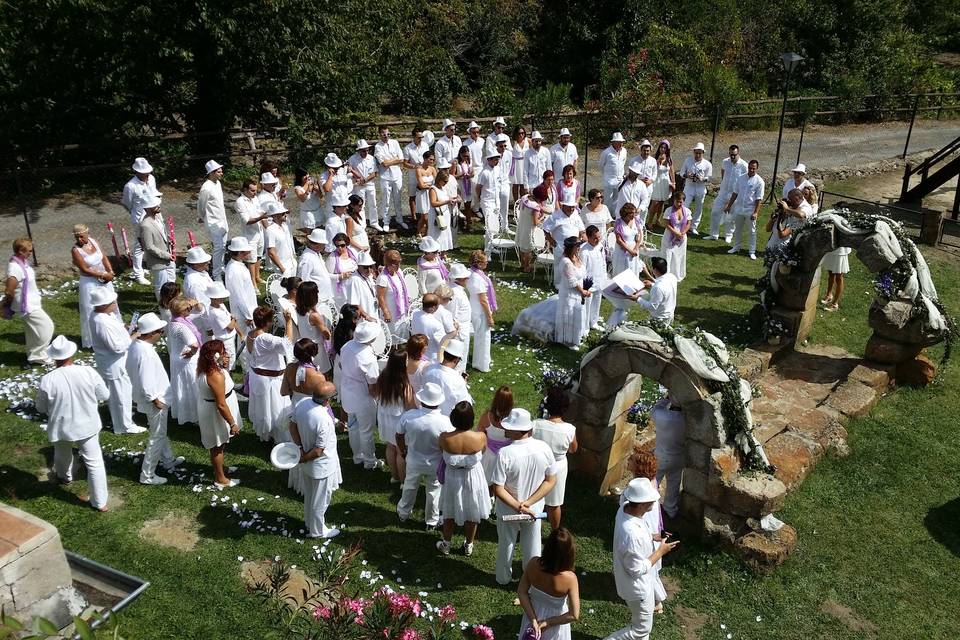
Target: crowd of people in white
343, 319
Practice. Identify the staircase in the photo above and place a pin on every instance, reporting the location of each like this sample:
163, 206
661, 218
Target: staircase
935, 171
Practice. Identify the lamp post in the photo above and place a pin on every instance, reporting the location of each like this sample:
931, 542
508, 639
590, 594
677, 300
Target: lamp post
790, 61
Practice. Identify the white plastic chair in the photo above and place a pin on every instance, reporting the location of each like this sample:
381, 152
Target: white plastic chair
543, 256
500, 243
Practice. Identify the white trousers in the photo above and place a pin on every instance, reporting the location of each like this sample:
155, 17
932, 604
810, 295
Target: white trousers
158, 444
481, 343
390, 192
369, 194
411, 486
161, 275
317, 493
37, 332
362, 426
507, 533
719, 218
504, 208
464, 337
641, 621
120, 401
673, 471
610, 195
593, 308
92, 457
695, 192
218, 237
741, 221
136, 251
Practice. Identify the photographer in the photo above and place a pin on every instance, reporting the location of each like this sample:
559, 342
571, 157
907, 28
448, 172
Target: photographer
789, 214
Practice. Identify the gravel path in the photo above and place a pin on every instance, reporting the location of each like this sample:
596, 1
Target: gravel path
827, 151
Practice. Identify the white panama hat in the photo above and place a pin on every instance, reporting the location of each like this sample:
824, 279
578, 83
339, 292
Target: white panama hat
285, 455
640, 490
428, 244
317, 236
636, 168
274, 209
504, 138
150, 322
152, 201
517, 420
699, 147
332, 160
500, 120
268, 178
617, 137
456, 348
447, 122
340, 200
645, 143
140, 165
211, 166
217, 291
362, 144
61, 348
536, 135
564, 132
458, 271
431, 395
239, 244
443, 163
365, 260
198, 255
102, 296
800, 168
473, 125
366, 332
493, 154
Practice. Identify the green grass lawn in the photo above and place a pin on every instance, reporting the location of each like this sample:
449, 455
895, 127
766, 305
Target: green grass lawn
878, 530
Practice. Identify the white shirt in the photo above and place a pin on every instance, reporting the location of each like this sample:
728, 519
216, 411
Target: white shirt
453, 385
520, 469
195, 285
703, 171
636, 192
536, 161
243, 295
366, 166
557, 435
147, 376
110, 343
342, 183
429, 325
278, 237
312, 268
504, 169
632, 548
335, 224
391, 283
459, 306
389, 150
561, 226
359, 368
361, 292
476, 153
248, 209
135, 193
447, 149
612, 164
210, 207
662, 300
70, 396
23, 273
671, 429
421, 429
216, 320
489, 180
594, 263
317, 431
732, 171
561, 157
648, 167
791, 184
749, 191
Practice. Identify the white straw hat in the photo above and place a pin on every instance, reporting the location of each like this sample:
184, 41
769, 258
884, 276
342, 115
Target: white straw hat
211, 166
472, 125
153, 200
61, 348
617, 137
217, 291
429, 245
428, 137
443, 163
239, 244
458, 271
340, 200
564, 132
140, 165
268, 178
645, 143
274, 208
362, 144
493, 154
536, 135
150, 322
500, 120
447, 122
503, 138
318, 236
640, 490
285, 456
517, 420
431, 395
699, 147
455, 348
198, 255
332, 160
365, 260
800, 168
102, 296
636, 168
366, 332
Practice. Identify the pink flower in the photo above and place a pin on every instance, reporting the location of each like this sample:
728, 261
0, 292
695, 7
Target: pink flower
409, 634
482, 632
447, 613
322, 612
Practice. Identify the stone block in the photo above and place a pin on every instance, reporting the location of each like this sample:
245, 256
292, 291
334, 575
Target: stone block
821, 427
723, 528
613, 361
705, 421
626, 395
596, 385
647, 362
622, 445
591, 463
37, 574
724, 466
691, 509
695, 483
763, 352
751, 495
698, 456
683, 384
812, 245
918, 372
887, 351
852, 240
874, 255
763, 551
596, 438
852, 399
798, 288
794, 457
893, 320
749, 365
930, 227
805, 324
875, 376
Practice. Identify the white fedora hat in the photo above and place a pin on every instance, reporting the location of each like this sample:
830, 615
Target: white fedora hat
268, 178
800, 168
366, 332
431, 395
150, 322
61, 348
285, 455
645, 143
536, 135
332, 160
473, 125
211, 166
503, 138
456, 348
636, 168
274, 208
617, 137
428, 137
217, 291
340, 200
362, 144
493, 154
239, 244
564, 132
500, 120
640, 490
699, 147
318, 236
429, 245
152, 201
443, 163
198, 255
102, 296
458, 271
517, 420
364, 260
447, 122
140, 165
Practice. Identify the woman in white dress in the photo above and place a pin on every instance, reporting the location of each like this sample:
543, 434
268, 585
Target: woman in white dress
356, 228
629, 235
569, 187
394, 394
518, 147
308, 195
549, 592
550, 184
561, 436
464, 496
571, 325
417, 362
441, 216
431, 269
311, 323
664, 183
342, 264
21, 297
95, 273
463, 172
267, 360
183, 343
288, 302
300, 379
483, 304
529, 217
426, 174
673, 246
218, 410
596, 213
500, 408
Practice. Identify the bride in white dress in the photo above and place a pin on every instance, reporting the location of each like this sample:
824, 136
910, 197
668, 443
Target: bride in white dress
626, 254
570, 324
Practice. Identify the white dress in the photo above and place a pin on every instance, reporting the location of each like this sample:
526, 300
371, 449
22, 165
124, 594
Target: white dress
359, 238
464, 496
183, 373
660, 189
444, 237
388, 416
675, 254
600, 218
570, 326
836, 261
621, 259
88, 284
307, 330
423, 195
430, 274
336, 265
517, 166
214, 430
546, 606
266, 405
559, 436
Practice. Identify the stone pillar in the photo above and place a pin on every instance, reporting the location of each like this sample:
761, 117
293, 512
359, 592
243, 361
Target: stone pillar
900, 335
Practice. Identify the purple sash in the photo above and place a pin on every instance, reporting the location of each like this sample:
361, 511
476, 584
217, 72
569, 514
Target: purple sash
678, 222
495, 445
423, 266
401, 306
441, 471
188, 323
491, 294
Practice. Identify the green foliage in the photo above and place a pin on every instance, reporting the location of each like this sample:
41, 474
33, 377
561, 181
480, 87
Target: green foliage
721, 88
496, 96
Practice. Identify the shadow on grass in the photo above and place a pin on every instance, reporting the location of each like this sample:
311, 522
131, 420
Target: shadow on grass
21, 485
942, 523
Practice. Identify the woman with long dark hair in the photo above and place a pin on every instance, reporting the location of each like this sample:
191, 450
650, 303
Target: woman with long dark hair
549, 591
308, 194
664, 183
570, 325
561, 436
464, 497
394, 395
500, 408
218, 409
311, 324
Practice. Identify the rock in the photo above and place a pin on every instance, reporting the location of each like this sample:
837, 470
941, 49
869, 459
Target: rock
698, 456
798, 288
647, 363
751, 496
894, 320
794, 457
821, 427
853, 399
876, 376
764, 551
683, 384
721, 527
887, 351
705, 421
812, 245
875, 255
918, 372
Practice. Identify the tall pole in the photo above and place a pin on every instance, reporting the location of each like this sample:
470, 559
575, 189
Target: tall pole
23, 210
716, 125
803, 128
913, 117
776, 159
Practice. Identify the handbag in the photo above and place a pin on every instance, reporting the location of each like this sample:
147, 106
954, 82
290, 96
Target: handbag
443, 216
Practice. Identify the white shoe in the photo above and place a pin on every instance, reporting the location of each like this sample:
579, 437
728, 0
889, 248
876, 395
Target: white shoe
234, 482
377, 464
728, 239
176, 462
143, 280
468, 548
155, 480
444, 547
132, 431
330, 533
694, 232
376, 225
753, 256
734, 250
711, 237
404, 225
599, 326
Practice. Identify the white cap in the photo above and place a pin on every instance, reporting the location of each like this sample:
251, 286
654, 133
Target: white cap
500, 120
239, 244
636, 168
340, 200
428, 244
332, 160
366, 332
564, 132
140, 165
617, 137
473, 125
536, 135
211, 166
517, 420
198, 255
102, 296
800, 168
455, 348
268, 178
153, 200
503, 138
362, 144
640, 490
458, 271
645, 143
447, 122
150, 322
365, 260
217, 291
699, 147
317, 236
61, 348
431, 395
274, 208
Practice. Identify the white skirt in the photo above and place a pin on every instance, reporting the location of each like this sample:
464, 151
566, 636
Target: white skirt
555, 497
836, 261
183, 389
676, 256
266, 405
464, 496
